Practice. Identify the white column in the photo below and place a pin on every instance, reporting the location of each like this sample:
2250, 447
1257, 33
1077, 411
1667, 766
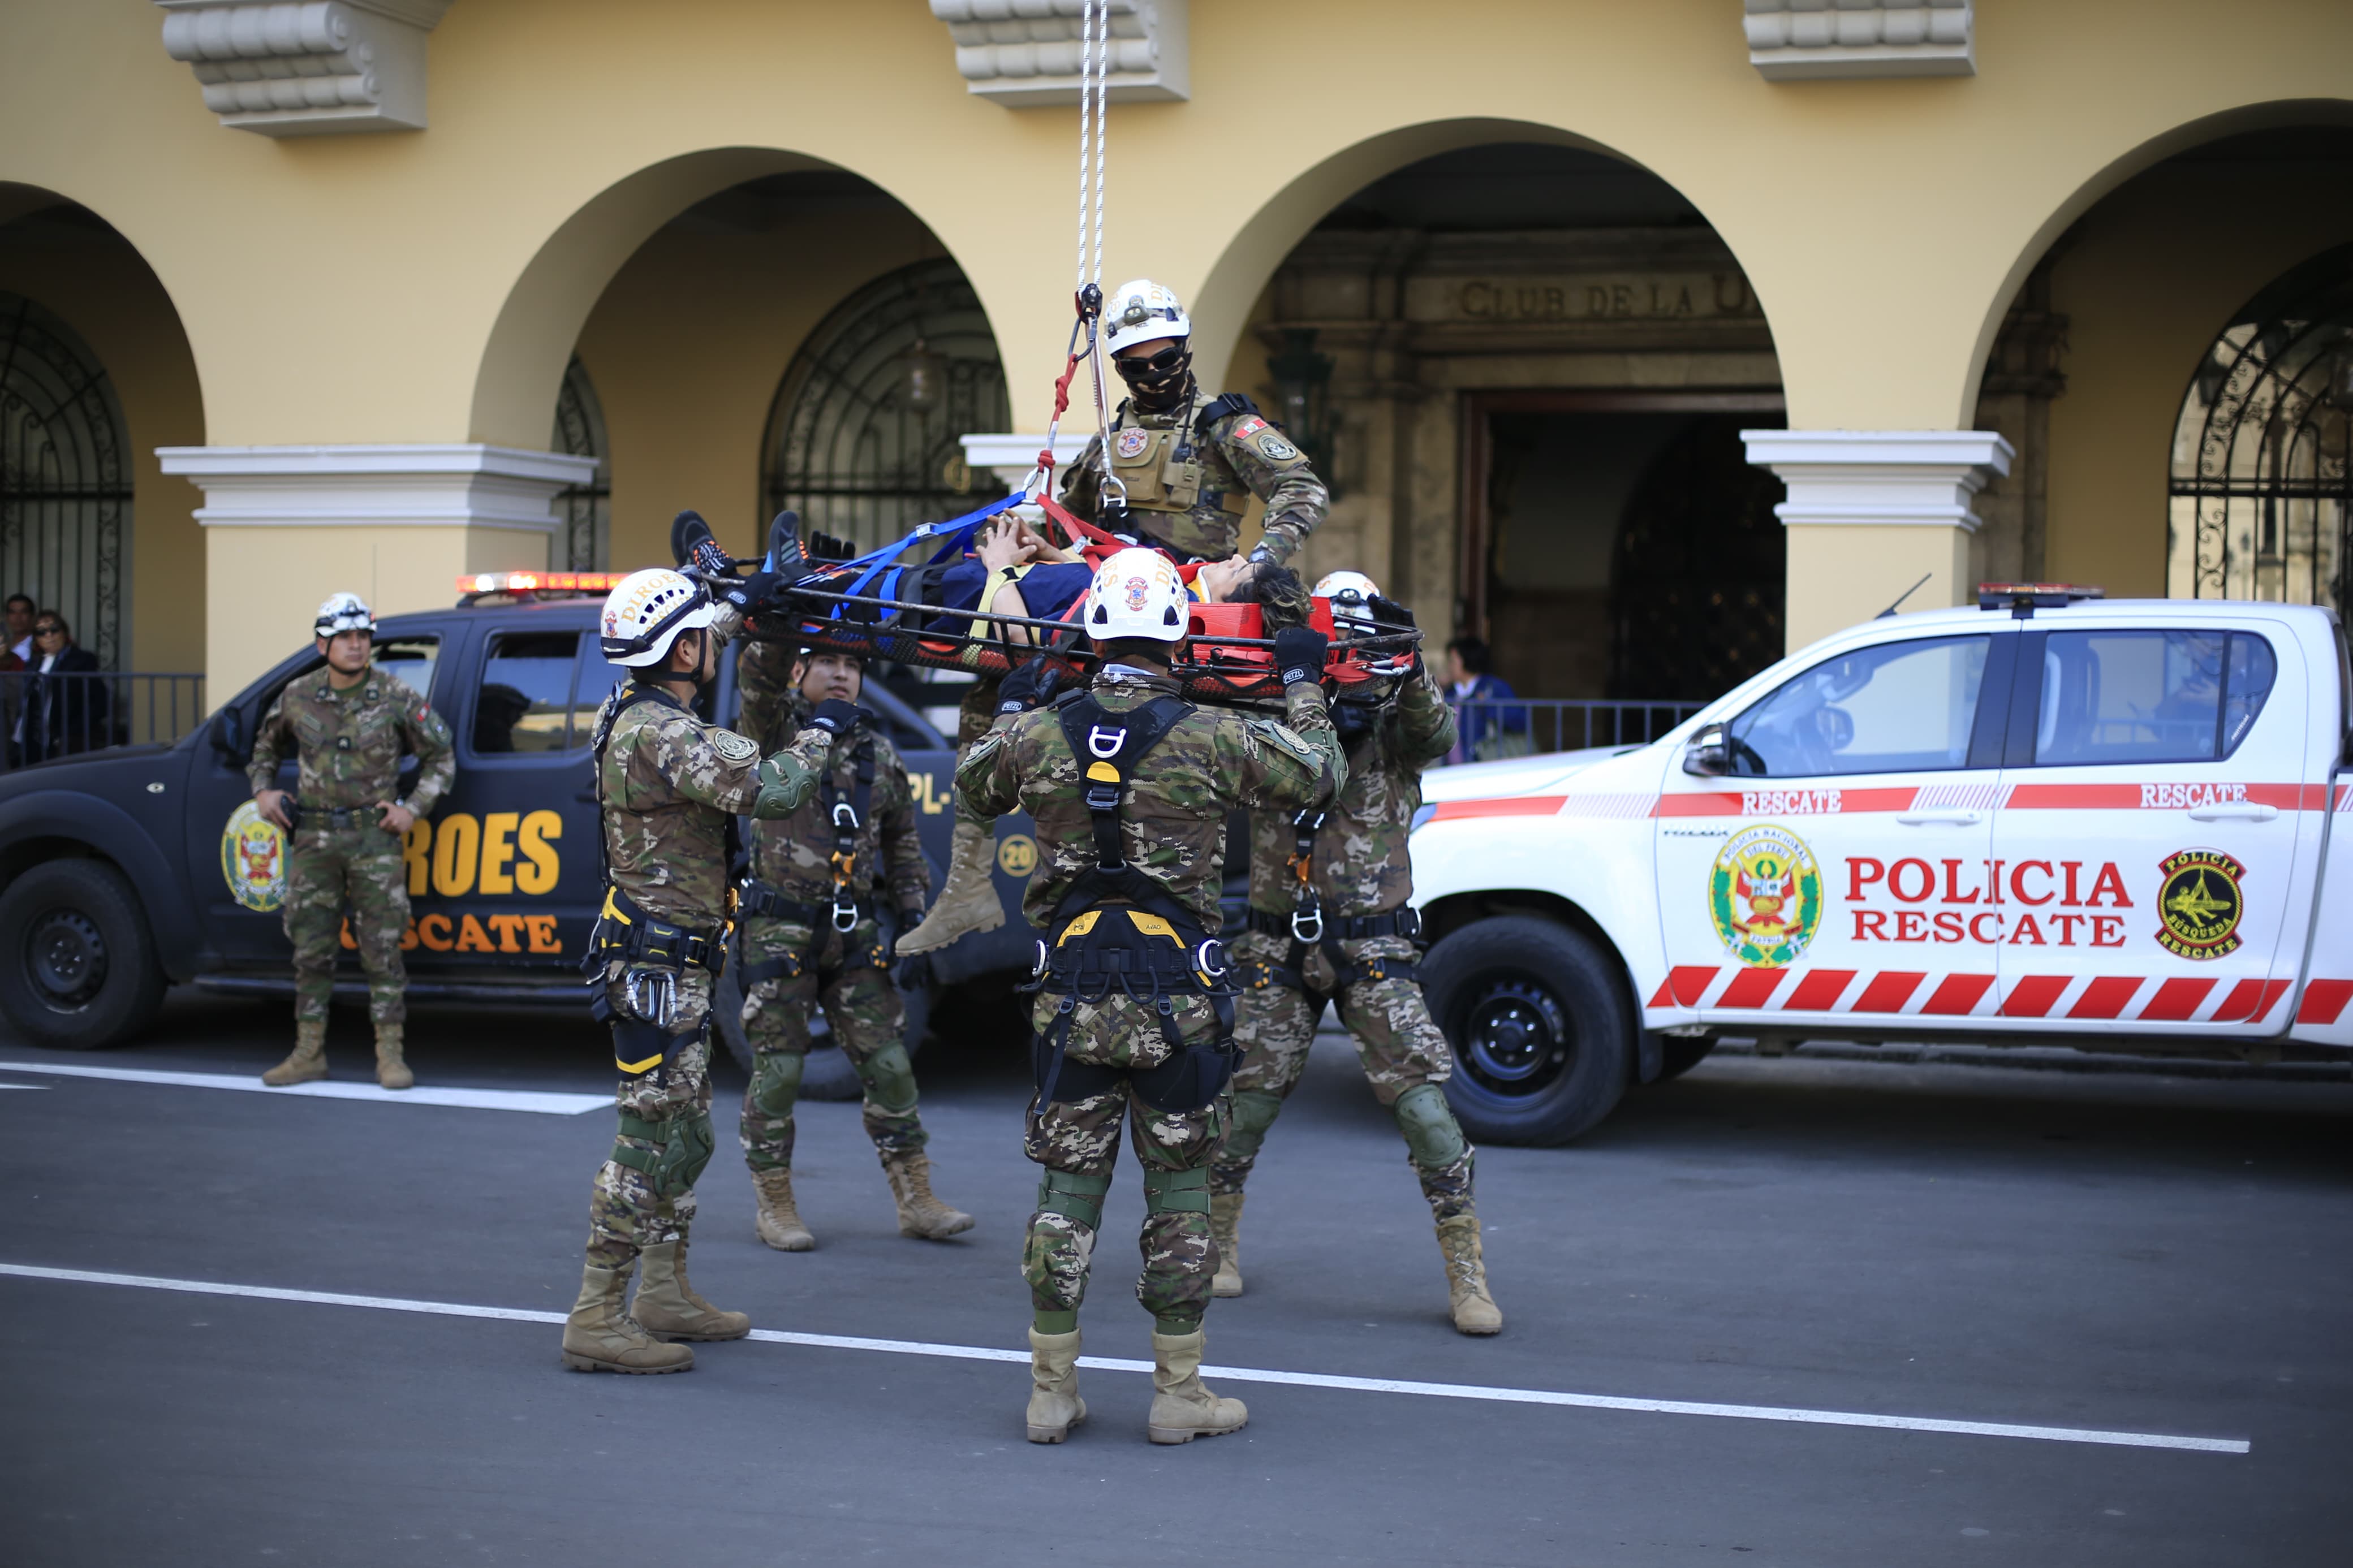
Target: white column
1871, 513
1013, 457
286, 526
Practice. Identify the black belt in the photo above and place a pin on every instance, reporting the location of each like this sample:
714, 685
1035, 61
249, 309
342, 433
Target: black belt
768, 903
332, 815
624, 931
1108, 949
1405, 922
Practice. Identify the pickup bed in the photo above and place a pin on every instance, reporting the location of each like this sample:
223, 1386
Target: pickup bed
2114, 827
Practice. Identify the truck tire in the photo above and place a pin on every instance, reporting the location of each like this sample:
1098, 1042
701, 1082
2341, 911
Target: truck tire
828, 1074
78, 968
1537, 1017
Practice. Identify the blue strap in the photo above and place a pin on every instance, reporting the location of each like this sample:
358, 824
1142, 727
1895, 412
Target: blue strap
956, 534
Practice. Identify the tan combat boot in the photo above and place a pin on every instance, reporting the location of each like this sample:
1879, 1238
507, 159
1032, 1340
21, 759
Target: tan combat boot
1474, 1310
600, 1337
308, 1061
921, 1214
779, 1221
391, 1071
969, 901
667, 1304
1226, 1226
1054, 1403
1182, 1406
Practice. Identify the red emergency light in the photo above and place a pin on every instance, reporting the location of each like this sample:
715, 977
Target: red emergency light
539, 582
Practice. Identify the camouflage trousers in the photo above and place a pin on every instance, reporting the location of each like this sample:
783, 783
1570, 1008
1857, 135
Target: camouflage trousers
1397, 1041
626, 1214
328, 868
1081, 1138
868, 1024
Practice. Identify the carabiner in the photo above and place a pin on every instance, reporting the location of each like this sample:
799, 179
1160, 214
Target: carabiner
1307, 924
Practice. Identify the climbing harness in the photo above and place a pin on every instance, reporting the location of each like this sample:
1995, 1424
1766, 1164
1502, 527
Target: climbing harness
1309, 926
847, 816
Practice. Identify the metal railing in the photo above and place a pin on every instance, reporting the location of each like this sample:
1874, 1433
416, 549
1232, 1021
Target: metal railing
67, 712
1530, 726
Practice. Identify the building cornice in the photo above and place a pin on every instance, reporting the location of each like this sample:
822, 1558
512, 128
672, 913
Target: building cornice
1024, 53
1881, 477
306, 68
457, 485
1794, 40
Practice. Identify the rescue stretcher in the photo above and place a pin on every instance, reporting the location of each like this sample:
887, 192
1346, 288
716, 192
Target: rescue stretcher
885, 603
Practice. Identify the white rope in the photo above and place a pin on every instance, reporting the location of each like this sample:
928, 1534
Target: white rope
1095, 100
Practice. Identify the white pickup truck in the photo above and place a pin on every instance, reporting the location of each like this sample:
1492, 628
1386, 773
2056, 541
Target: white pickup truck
2046, 821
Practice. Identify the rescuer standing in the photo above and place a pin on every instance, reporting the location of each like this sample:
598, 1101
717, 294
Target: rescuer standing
666, 781
1331, 921
1129, 785
1179, 474
813, 934
347, 725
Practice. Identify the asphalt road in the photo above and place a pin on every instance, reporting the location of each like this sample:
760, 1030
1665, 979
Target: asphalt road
2157, 1257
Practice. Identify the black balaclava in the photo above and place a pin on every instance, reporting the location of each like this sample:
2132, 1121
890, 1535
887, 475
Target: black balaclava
1158, 391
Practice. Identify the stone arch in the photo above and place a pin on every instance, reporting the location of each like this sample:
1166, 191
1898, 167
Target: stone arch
532, 339
2098, 183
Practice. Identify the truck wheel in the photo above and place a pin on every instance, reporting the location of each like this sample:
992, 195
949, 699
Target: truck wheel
828, 1074
1539, 1026
1678, 1054
77, 968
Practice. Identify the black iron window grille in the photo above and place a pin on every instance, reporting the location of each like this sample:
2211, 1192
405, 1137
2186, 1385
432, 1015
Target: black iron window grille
64, 479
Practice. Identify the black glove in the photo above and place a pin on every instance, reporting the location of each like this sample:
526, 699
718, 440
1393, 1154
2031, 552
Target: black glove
751, 593
1299, 654
835, 717
915, 972
1393, 621
1031, 686
1260, 552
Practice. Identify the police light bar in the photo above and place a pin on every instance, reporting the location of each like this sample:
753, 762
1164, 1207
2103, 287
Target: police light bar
539, 582
2022, 599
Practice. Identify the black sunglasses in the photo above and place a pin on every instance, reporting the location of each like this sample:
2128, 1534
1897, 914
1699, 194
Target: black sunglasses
52, 630
1161, 363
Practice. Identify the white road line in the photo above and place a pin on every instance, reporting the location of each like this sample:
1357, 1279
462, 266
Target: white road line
1231, 1373
542, 1102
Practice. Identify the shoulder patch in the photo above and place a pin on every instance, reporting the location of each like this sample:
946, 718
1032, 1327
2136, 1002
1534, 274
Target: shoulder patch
1284, 738
1249, 425
1271, 446
732, 747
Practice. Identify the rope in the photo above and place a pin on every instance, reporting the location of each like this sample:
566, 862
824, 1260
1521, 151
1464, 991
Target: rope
1086, 343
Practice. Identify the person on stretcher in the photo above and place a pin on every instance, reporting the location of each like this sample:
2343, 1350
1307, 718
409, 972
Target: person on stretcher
1015, 572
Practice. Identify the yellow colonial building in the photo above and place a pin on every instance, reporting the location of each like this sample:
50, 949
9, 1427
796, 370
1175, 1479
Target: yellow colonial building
1644, 339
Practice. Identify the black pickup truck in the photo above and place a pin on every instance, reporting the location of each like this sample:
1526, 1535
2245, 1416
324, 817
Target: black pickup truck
127, 870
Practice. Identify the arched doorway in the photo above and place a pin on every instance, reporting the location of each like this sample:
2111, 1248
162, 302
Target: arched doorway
2260, 487
65, 480
863, 438
583, 536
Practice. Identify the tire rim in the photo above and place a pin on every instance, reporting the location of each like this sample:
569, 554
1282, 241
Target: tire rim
1516, 1039
65, 957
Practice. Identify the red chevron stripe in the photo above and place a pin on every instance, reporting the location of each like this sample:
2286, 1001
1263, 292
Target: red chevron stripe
2323, 1001
1820, 991
1959, 995
2105, 998
1752, 988
2175, 1000
2249, 1001
1888, 991
2034, 996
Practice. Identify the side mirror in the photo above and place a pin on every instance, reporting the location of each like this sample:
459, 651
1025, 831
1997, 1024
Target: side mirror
1708, 753
229, 736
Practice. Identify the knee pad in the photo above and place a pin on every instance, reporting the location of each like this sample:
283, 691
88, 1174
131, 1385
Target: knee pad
1073, 1195
776, 1081
1254, 1111
1431, 1133
890, 1079
683, 1147
1177, 1191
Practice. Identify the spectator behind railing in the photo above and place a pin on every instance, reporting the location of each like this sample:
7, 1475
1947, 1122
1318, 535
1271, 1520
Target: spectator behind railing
66, 706
1486, 725
22, 614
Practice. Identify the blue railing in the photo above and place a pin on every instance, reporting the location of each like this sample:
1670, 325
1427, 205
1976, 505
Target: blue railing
1529, 726
64, 713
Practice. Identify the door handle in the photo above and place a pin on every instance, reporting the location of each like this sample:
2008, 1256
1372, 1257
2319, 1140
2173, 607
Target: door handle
1954, 816
2237, 812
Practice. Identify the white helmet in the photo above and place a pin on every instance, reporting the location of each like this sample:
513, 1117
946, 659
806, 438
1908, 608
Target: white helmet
1140, 310
1350, 593
344, 612
647, 610
1137, 593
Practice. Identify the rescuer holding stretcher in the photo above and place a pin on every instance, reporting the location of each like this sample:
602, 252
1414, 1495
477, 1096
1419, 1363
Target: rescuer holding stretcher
668, 782
812, 933
1129, 785
347, 725
1331, 921
1177, 475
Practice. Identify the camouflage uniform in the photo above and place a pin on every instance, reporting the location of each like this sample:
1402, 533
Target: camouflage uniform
348, 744
794, 857
1173, 822
1188, 481
1360, 868
667, 782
